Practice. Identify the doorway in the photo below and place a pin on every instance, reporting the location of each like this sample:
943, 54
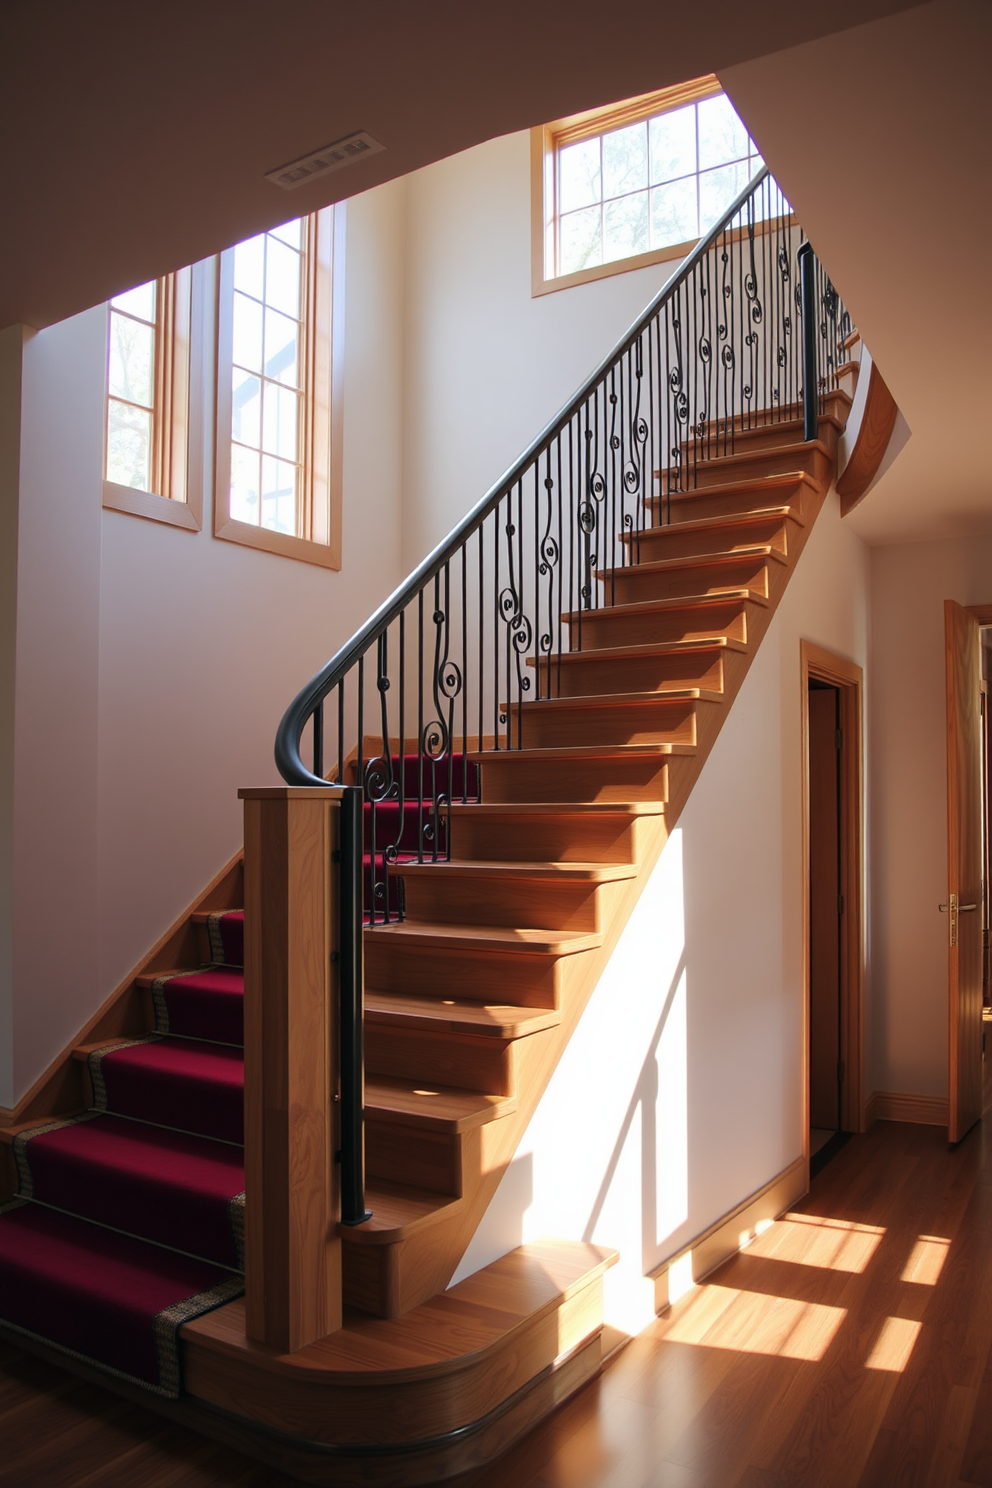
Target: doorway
832, 898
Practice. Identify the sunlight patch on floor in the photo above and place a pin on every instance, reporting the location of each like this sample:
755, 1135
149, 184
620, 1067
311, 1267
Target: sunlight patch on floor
830, 1244
926, 1260
755, 1323
894, 1344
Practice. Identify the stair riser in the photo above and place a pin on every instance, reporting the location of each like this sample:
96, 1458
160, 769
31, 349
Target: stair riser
411, 1155
528, 981
442, 1058
579, 780
717, 443
693, 506
632, 723
567, 839
658, 544
581, 675
606, 627
639, 584
517, 902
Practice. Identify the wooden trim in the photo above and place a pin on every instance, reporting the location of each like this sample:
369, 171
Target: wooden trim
981, 612
322, 415
877, 424
826, 666
60, 1088
734, 1230
155, 508
890, 1105
615, 116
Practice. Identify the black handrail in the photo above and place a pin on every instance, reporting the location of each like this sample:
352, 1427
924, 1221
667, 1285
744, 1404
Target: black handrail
302, 708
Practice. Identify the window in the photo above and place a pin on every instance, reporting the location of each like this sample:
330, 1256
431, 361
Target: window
278, 406
147, 465
639, 183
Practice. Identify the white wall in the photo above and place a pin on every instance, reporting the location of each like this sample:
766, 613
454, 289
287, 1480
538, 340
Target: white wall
153, 664
487, 365
908, 794
681, 1092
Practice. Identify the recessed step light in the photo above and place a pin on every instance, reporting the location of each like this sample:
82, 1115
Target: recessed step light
321, 162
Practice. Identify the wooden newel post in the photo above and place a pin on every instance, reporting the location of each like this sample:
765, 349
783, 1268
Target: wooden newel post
292, 1198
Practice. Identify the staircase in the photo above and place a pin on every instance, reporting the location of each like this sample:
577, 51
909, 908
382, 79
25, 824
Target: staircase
480, 956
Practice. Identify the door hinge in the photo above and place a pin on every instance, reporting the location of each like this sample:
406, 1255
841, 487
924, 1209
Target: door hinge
840, 904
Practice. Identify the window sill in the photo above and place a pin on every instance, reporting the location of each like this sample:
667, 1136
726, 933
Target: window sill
153, 508
299, 548
673, 254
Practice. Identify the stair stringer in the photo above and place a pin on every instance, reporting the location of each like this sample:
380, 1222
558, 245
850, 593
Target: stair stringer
422, 1264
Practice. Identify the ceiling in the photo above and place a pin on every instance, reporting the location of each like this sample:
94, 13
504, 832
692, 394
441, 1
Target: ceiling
135, 138
882, 140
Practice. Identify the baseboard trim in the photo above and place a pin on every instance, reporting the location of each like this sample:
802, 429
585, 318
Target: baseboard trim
729, 1234
890, 1105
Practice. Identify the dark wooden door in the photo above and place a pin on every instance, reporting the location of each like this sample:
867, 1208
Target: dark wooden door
824, 910
965, 851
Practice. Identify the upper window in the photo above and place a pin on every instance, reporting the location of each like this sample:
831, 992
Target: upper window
146, 448
278, 453
637, 183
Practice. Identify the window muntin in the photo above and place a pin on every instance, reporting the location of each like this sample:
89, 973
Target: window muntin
642, 180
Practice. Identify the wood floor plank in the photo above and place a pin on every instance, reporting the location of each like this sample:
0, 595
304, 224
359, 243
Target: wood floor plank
849, 1347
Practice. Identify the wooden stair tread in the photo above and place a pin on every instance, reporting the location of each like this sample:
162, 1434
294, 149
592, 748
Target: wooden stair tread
398, 1211
701, 560
82, 1052
147, 980
504, 868
522, 941
659, 606
443, 1107
671, 695
748, 485
458, 1015
557, 808
466, 1322
566, 753
753, 518
652, 649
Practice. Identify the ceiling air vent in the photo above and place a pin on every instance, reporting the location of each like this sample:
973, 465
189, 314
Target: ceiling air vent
331, 158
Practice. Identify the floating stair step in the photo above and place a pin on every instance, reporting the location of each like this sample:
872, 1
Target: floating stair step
663, 668
549, 831
687, 617
672, 578
158, 1185
539, 872
738, 497
398, 1211
488, 938
814, 459
613, 718
602, 772
457, 1016
714, 534
434, 1108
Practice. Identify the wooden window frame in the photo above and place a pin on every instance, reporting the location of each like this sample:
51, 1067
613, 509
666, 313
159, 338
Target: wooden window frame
322, 426
545, 143
177, 495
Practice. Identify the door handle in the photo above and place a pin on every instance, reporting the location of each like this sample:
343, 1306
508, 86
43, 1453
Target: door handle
953, 909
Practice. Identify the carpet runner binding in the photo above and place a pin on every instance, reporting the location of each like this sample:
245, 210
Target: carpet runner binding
129, 1220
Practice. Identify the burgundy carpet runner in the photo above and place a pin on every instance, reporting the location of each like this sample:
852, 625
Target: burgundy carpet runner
129, 1220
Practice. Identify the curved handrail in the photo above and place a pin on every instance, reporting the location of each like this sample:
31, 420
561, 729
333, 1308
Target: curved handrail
309, 698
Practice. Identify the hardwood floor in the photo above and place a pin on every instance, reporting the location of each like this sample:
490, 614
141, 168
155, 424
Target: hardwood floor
849, 1347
